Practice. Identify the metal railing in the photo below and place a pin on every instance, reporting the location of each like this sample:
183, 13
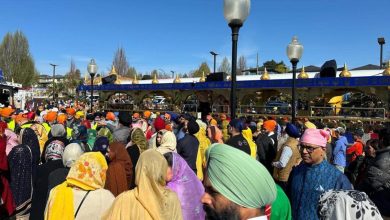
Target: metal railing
118, 106
220, 109
189, 108
348, 112
268, 109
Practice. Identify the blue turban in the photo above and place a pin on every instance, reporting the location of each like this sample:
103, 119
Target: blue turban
292, 131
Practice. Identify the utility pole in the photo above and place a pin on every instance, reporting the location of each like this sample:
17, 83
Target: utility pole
54, 76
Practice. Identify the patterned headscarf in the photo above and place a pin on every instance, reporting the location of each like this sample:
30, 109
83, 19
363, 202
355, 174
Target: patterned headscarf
54, 150
138, 138
347, 204
106, 133
20, 162
91, 138
88, 173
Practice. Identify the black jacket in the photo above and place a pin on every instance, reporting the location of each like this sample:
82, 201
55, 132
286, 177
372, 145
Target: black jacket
378, 174
266, 151
187, 147
240, 143
41, 191
377, 182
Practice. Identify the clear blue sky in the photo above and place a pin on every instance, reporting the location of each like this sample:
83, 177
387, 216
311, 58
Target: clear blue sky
178, 34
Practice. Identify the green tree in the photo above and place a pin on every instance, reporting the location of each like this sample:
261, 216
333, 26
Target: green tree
270, 65
225, 66
281, 68
120, 61
241, 65
273, 66
16, 61
202, 68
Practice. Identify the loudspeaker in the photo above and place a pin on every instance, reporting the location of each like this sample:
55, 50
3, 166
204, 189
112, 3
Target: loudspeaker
109, 79
218, 76
329, 69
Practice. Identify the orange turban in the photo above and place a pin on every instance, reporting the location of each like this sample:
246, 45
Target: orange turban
168, 127
136, 115
61, 119
6, 112
21, 117
51, 116
269, 125
147, 114
167, 116
70, 111
110, 116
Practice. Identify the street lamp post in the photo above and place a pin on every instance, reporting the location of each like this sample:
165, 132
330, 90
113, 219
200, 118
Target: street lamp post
92, 70
54, 76
215, 58
381, 41
235, 13
294, 54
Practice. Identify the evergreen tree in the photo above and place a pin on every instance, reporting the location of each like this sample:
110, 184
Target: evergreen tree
225, 66
273, 66
202, 68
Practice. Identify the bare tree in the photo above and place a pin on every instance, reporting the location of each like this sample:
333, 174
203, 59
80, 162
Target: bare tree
120, 62
73, 79
241, 65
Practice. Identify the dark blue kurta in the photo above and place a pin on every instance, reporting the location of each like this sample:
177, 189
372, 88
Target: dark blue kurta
308, 183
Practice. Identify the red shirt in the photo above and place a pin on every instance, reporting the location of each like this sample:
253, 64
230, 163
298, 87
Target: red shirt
356, 150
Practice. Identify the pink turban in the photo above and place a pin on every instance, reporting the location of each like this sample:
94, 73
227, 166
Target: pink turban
315, 136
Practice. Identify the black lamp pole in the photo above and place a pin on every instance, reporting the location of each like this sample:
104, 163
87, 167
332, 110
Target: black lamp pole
92, 77
381, 41
54, 76
233, 99
294, 63
92, 69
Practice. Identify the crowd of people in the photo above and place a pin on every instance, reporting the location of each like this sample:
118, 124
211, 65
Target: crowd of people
65, 163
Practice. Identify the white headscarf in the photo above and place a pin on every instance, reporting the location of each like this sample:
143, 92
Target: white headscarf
168, 142
72, 152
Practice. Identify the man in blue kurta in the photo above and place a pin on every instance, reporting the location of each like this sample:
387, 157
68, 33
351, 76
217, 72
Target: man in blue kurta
313, 176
